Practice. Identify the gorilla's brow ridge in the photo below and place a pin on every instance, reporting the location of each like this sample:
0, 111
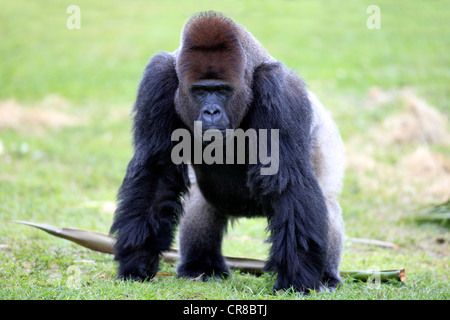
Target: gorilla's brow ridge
218, 47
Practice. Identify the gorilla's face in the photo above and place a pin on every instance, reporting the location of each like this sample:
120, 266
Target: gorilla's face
218, 103
211, 98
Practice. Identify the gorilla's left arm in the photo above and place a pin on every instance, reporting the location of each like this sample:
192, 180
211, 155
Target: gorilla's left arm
149, 201
291, 197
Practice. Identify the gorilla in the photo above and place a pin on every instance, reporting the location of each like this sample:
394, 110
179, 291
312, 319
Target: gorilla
224, 78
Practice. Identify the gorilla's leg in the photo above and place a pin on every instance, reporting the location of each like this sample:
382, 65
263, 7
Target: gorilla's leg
201, 232
328, 162
331, 276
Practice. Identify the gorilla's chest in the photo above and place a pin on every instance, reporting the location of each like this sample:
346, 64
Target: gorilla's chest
224, 187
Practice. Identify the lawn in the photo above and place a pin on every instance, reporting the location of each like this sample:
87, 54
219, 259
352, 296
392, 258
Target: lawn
65, 100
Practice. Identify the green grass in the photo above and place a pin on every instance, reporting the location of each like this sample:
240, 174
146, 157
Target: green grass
63, 174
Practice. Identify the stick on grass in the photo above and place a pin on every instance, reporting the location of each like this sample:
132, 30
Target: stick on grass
105, 243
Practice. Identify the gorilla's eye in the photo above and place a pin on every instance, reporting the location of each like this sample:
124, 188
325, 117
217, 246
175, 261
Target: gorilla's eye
198, 89
223, 91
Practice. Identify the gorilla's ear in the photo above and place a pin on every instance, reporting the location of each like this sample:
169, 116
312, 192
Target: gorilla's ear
154, 111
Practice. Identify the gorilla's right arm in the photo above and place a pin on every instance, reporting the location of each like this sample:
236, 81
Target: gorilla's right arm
292, 198
149, 199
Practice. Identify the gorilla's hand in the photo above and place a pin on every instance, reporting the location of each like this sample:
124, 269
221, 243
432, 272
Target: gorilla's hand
137, 265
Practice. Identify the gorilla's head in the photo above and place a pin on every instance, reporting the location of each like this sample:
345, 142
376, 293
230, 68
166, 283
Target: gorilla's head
212, 72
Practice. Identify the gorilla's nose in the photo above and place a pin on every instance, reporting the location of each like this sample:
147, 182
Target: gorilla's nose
211, 113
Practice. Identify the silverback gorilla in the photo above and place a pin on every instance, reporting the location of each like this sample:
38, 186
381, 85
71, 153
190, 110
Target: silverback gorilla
222, 76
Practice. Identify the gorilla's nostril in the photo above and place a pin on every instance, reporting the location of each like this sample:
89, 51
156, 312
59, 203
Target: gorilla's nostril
211, 113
